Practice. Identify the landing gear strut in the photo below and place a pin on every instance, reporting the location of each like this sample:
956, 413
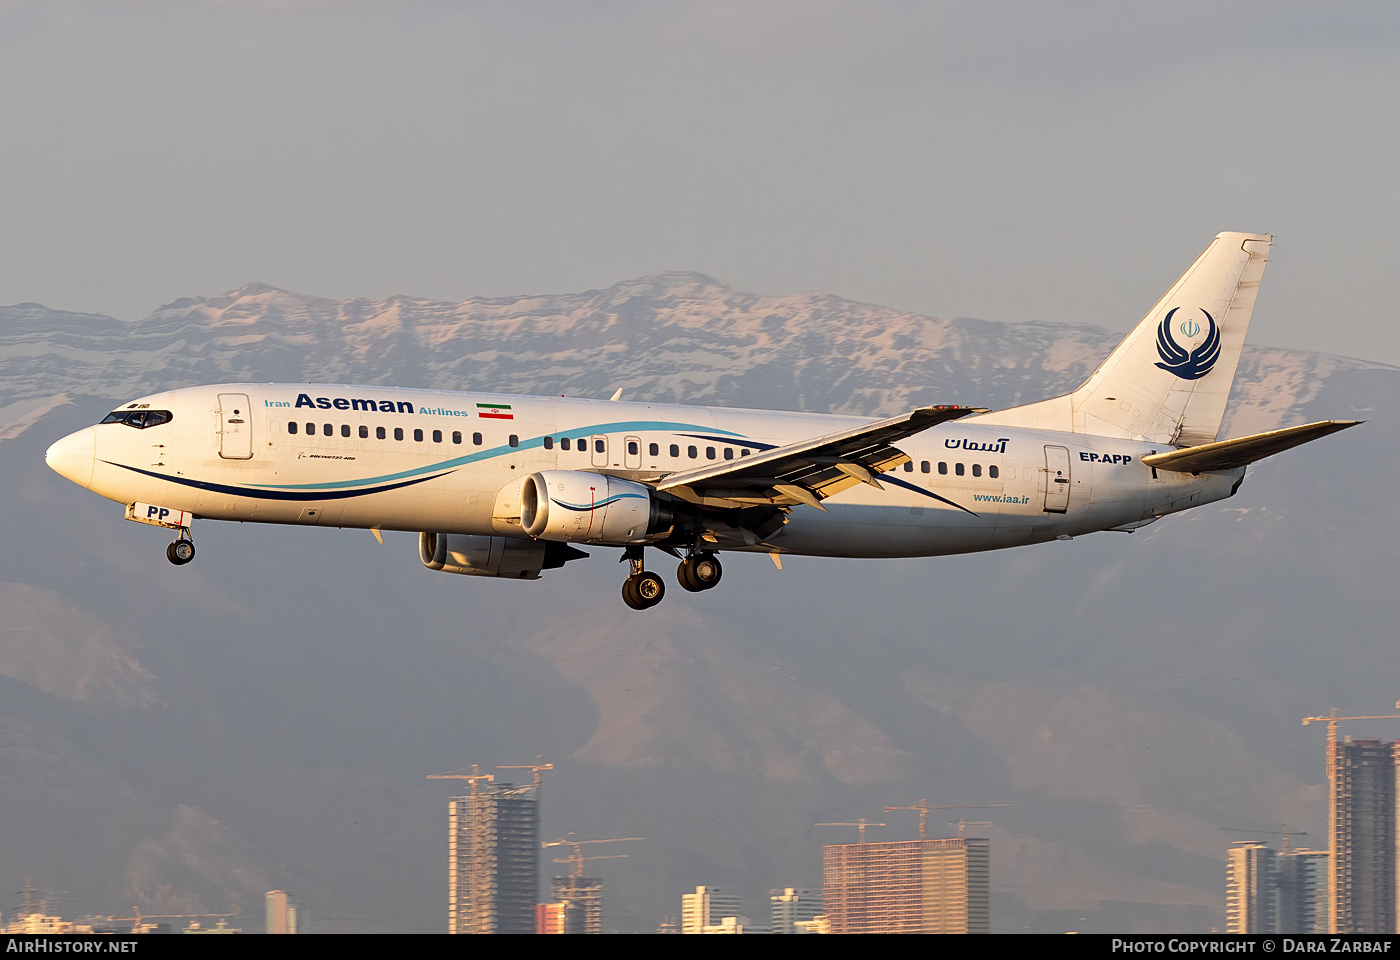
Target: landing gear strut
181, 551
699, 571
642, 590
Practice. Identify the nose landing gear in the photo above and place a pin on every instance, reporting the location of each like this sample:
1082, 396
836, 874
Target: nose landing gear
181, 551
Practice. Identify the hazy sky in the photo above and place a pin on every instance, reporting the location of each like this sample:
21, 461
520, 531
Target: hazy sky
1007, 161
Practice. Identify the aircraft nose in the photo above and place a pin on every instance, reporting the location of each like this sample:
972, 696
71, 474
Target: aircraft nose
72, 456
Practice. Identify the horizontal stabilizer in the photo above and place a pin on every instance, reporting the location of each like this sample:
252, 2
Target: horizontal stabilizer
1228, 454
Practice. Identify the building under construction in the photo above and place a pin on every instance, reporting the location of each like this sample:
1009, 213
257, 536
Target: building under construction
493, 851
1362, 774
587, 893
909, 886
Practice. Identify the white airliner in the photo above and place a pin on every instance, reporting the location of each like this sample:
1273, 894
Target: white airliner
504, 485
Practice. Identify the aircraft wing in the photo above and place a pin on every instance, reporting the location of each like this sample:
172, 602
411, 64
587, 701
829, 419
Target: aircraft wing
1228, 454
811, 470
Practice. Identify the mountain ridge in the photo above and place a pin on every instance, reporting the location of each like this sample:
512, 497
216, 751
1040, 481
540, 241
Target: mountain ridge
288, 692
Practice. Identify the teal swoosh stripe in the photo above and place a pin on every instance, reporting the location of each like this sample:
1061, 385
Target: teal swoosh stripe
589, 507
526, 444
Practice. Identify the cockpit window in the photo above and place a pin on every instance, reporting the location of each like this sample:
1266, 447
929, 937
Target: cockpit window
140, 419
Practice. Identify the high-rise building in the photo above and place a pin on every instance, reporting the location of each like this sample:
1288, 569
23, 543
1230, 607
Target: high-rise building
707, 907
587, 892
909, 886
1249, 888
791, 906
281, 912
1361, 818
564, 916
1301, 878
493, 860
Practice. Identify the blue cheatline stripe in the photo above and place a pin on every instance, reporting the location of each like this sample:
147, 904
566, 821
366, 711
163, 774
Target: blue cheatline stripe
588, 507
259, 493
487, 454
886, 478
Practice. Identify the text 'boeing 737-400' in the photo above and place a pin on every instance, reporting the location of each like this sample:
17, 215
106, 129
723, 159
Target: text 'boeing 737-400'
504, 486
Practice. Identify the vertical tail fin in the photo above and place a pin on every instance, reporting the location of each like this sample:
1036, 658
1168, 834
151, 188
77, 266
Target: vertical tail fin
1169, 379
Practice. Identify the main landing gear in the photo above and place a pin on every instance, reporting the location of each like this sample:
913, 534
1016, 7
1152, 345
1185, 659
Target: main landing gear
644, 589
181, 551
699, 571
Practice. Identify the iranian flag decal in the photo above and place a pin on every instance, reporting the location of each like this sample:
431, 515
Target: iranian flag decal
494, 411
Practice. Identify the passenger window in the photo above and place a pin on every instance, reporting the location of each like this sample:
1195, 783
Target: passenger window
549, 443
632, 448
977, 469
514, 440
909, 466
476, 439
456, 436
692, 452
328, 429
598, 446
729, 453
563, 443
379, 433
744, 452
943, 468
291, 428
311, 429
582, 444
992, 471
654, 449
418, 435
364, 432
398, 433
345, 429
437, 436
924, 466
958, 469
675, 450
709, 453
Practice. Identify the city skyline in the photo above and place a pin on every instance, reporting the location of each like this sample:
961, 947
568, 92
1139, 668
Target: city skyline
318, 647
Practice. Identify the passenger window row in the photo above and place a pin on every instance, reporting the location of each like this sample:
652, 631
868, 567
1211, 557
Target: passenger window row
382, 433
653, 449
958, 469
565, 443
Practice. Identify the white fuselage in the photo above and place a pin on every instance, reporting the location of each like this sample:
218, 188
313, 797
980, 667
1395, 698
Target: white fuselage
423, 460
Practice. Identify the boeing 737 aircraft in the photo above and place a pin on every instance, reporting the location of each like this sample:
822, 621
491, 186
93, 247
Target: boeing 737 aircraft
504, 486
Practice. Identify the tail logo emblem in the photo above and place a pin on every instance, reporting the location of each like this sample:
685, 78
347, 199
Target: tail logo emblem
1193, 364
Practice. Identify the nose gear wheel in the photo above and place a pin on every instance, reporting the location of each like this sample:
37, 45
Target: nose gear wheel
181, 551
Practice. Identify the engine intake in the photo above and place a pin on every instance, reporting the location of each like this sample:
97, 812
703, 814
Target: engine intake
475, 556
583, 507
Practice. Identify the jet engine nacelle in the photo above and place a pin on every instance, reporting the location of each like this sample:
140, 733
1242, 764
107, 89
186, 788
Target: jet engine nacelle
591, 508
512, 557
